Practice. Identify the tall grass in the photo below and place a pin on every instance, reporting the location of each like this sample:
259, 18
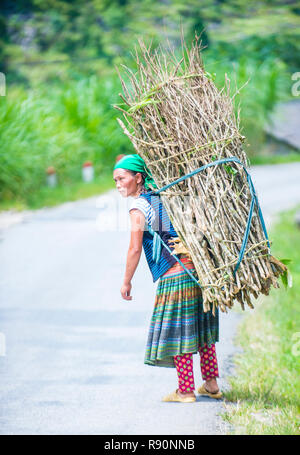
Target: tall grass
60, 126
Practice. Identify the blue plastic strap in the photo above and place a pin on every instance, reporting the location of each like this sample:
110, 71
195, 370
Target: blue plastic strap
156, 246
170, 251
254, 201
196, 171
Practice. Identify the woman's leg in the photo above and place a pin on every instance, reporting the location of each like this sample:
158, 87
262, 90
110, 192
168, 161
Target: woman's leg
184, 367
209, 367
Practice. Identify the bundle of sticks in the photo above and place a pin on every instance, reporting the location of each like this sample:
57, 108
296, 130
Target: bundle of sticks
178, 121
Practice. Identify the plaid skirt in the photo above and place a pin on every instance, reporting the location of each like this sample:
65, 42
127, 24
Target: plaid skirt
179, 324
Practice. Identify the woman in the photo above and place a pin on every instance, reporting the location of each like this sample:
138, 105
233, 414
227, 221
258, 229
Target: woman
179, 327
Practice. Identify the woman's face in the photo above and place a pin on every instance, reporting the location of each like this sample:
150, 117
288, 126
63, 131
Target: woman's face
127, 184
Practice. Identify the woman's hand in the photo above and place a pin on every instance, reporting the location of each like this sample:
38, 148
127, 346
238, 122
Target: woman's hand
125, 291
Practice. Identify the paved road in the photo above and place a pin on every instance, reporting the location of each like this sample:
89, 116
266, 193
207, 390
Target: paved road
74, 350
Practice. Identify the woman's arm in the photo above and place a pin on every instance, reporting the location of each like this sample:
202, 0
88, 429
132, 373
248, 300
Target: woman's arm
134, 252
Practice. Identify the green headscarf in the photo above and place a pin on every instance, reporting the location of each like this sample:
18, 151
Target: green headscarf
137, 164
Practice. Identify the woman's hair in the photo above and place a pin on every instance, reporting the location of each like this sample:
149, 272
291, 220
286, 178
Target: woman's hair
136, 172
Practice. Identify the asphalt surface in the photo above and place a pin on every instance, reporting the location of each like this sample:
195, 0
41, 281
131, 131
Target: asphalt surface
71, 350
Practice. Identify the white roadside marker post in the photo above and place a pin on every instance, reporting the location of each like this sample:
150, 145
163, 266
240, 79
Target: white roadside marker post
87, 171
51, 176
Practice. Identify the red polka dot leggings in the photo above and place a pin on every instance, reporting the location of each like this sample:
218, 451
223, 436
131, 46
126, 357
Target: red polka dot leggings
184, 367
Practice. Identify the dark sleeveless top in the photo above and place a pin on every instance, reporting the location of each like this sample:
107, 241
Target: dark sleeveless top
163, 226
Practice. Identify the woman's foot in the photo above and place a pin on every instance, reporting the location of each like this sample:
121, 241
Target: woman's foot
189, 397
185, 394
211, 386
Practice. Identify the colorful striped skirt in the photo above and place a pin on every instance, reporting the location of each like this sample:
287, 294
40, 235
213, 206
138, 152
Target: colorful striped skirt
179, 324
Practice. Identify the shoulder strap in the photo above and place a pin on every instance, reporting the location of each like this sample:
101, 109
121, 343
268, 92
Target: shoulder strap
158, 241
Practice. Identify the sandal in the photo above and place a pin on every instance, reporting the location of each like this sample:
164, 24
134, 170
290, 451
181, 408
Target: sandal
202, 391
175, 397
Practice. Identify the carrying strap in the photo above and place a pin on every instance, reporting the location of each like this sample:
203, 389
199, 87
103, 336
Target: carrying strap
157, 241
156, 252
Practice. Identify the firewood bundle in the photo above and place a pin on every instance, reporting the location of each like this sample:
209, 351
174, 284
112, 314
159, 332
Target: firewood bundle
178, 121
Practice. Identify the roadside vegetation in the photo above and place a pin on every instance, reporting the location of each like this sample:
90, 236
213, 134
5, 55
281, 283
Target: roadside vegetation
60, 59
265, 391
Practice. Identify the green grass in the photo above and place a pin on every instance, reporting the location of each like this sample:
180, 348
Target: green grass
265, 391
292, 157
63, 127
48, 197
